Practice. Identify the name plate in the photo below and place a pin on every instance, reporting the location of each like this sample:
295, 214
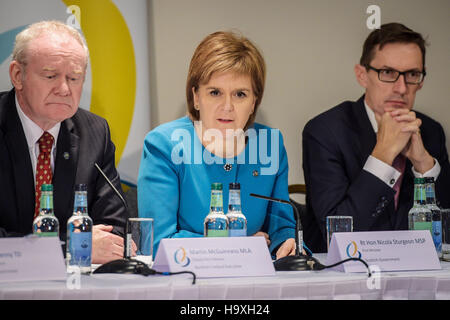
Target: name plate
215, 257
384, 251
31, 258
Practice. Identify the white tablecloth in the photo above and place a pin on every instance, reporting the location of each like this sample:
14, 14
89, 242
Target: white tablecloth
324, 284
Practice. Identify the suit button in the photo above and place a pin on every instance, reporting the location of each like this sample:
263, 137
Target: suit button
377, 212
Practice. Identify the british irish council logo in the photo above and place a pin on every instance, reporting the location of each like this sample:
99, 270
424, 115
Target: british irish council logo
181, 257
352, 250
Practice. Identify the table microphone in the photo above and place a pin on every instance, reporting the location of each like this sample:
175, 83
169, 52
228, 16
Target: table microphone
299, 261
125, 265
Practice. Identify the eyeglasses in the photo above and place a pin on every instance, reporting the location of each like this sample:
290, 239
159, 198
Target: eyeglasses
391, 75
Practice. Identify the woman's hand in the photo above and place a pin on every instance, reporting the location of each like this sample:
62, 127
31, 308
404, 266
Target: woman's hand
263, 234
286, 249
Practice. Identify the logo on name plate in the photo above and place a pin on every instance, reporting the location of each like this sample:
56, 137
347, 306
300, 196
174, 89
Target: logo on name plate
352, 250
181, 257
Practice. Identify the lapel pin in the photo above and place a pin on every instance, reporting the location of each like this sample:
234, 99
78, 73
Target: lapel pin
66, 155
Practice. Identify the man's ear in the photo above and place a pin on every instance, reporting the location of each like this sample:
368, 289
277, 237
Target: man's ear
361, 75
16, 75
420, 85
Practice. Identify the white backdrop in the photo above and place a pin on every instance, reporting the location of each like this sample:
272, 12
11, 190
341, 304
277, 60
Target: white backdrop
310, 47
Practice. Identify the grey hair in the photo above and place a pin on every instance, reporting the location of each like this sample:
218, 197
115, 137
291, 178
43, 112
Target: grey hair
41, 28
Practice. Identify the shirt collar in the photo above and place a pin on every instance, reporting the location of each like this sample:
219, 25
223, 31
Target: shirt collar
371, 116
32, 131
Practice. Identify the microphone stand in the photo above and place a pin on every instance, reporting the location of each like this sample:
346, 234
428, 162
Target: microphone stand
299, 261
127, 264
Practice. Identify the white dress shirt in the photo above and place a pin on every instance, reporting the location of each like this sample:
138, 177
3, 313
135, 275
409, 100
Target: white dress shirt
32, 133
386, 172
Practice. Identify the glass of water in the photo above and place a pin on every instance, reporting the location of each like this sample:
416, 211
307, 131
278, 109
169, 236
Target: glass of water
338, 224
140, 240
445, 214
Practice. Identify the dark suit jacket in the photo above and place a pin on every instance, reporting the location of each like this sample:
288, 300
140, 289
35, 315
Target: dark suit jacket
86, 138
336, 145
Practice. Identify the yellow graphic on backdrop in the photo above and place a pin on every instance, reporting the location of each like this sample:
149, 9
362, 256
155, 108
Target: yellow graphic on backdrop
113, 66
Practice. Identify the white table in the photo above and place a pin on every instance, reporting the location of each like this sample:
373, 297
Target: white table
314, 285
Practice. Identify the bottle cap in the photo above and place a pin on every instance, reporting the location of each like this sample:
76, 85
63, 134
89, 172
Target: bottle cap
81, 187
429, 179
47, 187
235, 186
216, 186
419, 180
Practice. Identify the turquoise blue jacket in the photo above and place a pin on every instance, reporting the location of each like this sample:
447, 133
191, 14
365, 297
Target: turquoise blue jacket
176, 172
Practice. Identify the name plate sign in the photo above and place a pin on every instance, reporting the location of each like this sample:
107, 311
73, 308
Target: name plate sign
31, 258
215, 257
384, 250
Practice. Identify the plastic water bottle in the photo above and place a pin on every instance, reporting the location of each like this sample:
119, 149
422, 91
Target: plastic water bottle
216, 223
436, 215
79, 234
237, 223
46, 224
419, 216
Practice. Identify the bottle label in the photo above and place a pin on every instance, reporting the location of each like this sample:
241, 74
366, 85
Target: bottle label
416, 193
46, 202
81, 200
81, 249
423, 196
430, 194
428, 191
216, 199
437, 235
46, 234
237, 232
422, 226
235, 198
217, 233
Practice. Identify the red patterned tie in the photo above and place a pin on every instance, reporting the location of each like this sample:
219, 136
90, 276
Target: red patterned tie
399, 164
43, 167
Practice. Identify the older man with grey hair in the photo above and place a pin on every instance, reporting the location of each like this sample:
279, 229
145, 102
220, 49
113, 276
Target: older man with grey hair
47, 72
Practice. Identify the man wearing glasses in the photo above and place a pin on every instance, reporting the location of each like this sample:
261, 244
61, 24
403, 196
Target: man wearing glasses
360, 158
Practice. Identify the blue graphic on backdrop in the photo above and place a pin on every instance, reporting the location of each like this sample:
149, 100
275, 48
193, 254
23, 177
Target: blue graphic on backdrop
7, 39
